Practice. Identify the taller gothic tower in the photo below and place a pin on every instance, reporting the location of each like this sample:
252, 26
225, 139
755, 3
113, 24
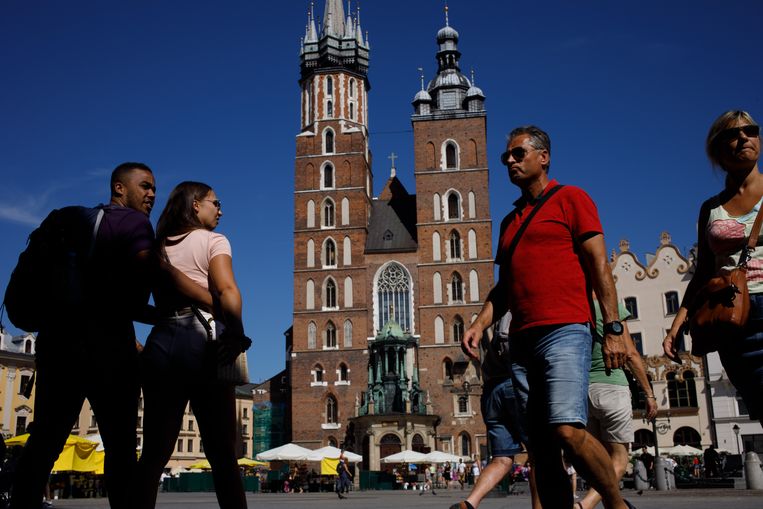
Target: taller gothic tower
332, 200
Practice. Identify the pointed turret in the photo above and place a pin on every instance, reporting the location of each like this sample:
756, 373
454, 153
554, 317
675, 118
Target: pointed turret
333, 18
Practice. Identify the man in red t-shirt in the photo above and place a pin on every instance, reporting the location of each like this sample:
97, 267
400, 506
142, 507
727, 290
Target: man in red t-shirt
546, 283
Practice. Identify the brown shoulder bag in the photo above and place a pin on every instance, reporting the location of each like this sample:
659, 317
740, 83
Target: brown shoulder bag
721, 308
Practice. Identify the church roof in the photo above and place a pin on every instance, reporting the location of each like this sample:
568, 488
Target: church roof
392, 227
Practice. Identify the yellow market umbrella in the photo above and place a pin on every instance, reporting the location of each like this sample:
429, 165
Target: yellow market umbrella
202, 465
78, 454
246, 462
328, 466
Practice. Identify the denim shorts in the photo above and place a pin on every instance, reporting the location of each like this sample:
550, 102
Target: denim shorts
177, 349
501, 415
742, 359
550, 373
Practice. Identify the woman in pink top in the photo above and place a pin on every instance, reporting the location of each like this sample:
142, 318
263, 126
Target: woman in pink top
179, 364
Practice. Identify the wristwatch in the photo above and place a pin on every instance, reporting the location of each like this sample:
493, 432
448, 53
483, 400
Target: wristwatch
615, 328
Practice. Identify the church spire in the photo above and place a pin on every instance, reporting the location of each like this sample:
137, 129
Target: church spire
333, 18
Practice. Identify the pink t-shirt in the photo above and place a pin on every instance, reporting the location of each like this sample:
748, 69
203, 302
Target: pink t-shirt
191, 256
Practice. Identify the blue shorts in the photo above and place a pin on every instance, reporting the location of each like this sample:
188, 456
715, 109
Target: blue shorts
742, 359
550, 373
501, 415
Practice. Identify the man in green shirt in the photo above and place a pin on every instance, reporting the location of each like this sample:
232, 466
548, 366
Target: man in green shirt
609, 401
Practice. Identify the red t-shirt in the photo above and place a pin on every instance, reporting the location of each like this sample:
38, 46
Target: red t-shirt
546, 282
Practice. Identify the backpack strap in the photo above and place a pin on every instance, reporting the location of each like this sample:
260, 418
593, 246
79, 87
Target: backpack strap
517, 236
96, 227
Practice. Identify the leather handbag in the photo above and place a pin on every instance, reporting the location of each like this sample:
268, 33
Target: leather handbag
236, 372
721, 308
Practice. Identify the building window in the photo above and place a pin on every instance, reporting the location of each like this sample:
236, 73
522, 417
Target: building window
328, 176
352, 111
330, 298
394, 296
681, 390
93, 422
310, 294
190, 425
463, 404
312, 330
632, 306
20, 424
671, 303
246, 413
332, 412
436, 207
347, 334
190, 445
330, 109
687, 436
180, 445
352, 88
310, 214
318, 374
454, 244
23, 382
436, 247
417, 444
329, 253
328, 214
451, 156
328, 141
638, 396
447, 370
456, 288
454, 206
28, 346
642, 438
466, 449
330, 336
244, 429
458, 329
439, 330
638, 341
244, 448
343, 373
329, 86
201, 446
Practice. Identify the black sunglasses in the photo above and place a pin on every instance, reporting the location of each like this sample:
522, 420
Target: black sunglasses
732, 133
518, 153
216, 203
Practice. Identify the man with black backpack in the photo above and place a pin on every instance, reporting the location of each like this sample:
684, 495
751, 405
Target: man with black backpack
551, 252
86, 346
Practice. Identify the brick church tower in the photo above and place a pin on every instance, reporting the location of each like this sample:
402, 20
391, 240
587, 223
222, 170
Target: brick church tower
385, 286
332, 200
455, 268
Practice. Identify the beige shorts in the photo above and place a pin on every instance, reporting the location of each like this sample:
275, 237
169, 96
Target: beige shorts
610, 417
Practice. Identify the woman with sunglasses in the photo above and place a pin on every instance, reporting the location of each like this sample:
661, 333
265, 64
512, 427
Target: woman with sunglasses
725, 221
179, 363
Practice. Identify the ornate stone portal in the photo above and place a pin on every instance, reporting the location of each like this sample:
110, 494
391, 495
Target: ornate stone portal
394, 412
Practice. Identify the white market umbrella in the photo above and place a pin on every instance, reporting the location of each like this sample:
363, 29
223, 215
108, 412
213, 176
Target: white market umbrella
333, 453
406, 456
96, 437
441, 457
683, 450
288, 452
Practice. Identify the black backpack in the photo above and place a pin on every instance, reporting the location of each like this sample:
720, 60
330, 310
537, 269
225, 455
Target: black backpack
50, 279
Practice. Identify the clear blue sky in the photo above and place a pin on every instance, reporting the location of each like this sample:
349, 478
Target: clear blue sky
208, 91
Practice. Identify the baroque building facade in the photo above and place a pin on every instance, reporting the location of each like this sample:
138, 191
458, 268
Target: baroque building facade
384, 286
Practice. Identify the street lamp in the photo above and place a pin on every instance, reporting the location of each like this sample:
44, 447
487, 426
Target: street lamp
736, 432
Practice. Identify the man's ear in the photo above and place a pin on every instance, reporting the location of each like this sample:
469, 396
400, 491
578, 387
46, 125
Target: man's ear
119, 188
545, 158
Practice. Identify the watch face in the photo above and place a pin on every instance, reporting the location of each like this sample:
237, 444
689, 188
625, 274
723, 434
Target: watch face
615, 328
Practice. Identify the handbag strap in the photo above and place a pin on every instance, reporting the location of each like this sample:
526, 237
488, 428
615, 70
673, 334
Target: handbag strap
514, 241
752, 241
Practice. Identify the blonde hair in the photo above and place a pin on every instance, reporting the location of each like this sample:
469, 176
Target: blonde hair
712, 147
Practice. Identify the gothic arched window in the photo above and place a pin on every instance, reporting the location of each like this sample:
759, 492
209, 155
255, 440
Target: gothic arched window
454, 244
330, 109
344, 372
447, 370
456, 288
328, 213
318, 373
330, 335
329, 86
458, 329
332, 410
330, 298
329, 253
394, 296
454, 206
311, 333
451, 157
328, 176
328, 139
347, 333
466, 449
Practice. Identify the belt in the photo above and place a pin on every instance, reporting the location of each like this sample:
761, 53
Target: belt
176, 313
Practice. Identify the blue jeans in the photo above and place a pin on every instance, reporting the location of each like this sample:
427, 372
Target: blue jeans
742, 358
501, 415
550, 374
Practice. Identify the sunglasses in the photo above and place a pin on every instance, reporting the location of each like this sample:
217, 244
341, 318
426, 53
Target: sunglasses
216, 203
732, 133
518, 153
